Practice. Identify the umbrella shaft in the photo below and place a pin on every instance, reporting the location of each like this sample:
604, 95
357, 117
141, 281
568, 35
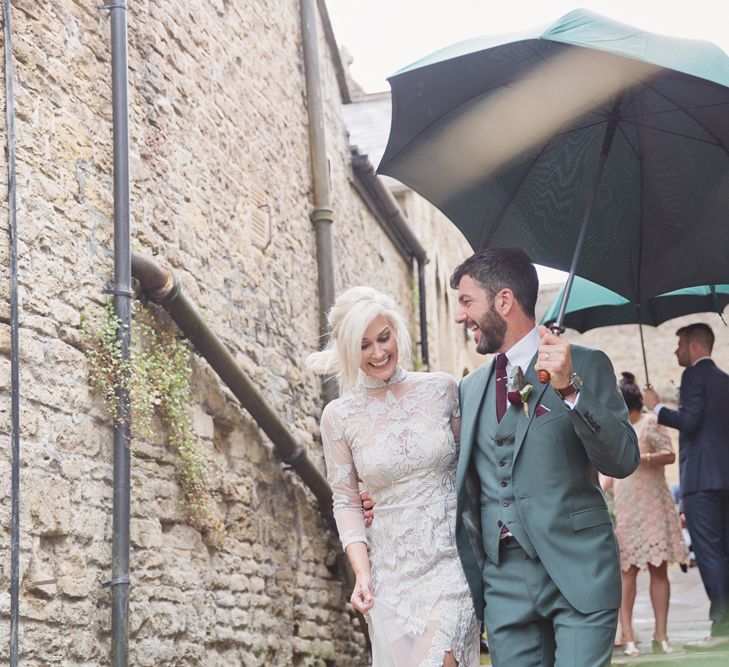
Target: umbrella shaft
645, 361
607, 142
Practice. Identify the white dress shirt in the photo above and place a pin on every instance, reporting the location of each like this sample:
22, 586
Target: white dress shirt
521, 354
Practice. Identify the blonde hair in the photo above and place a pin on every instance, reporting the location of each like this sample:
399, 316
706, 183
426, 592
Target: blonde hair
353, 311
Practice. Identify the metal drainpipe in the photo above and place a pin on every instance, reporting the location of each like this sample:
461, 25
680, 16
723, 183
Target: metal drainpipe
14, 343
322, 215
423, 316
122, 291
162, 287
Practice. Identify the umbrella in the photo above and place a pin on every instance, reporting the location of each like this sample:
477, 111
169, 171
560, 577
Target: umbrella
591, 306
596, 147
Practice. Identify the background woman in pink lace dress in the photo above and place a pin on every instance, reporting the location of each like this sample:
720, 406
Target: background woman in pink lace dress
646, 521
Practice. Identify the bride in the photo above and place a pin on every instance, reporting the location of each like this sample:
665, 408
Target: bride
396, 432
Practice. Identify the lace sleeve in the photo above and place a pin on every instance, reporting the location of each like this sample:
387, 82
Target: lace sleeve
656, 438
454, 408
342, 477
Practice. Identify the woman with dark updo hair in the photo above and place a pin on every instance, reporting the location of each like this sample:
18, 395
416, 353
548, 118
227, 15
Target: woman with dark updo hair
646, 522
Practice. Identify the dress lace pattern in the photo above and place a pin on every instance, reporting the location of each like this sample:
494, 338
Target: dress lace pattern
646, 521
399, 441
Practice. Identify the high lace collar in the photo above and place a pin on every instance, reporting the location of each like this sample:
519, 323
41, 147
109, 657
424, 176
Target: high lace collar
370, 383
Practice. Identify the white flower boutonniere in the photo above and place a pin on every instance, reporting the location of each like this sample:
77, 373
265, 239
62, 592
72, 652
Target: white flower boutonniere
520, 394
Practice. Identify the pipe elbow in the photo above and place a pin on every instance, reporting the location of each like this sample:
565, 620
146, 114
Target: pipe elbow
157, 281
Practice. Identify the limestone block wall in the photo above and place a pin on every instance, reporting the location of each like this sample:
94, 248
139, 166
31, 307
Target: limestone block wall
366, 255
451, 347
219, 138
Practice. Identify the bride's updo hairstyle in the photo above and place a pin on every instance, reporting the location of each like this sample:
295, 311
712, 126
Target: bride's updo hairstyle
631, 392
353, 311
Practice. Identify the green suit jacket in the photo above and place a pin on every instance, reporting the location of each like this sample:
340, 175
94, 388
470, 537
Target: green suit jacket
556, 459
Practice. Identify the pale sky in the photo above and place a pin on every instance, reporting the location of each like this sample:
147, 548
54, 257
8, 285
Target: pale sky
383, 36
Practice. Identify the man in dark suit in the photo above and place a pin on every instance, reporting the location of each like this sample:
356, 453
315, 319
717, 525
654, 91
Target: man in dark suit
702, 419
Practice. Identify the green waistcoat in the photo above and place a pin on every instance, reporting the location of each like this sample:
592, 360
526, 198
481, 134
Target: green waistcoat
494, 459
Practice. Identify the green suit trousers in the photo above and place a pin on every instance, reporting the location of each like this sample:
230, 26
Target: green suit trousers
531, 624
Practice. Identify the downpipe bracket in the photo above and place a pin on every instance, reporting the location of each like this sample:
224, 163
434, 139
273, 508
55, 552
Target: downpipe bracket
117, 581
322, 214
114, 4
109, 289
298, 456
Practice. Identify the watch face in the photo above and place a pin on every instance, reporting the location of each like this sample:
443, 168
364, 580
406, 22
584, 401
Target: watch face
576, 381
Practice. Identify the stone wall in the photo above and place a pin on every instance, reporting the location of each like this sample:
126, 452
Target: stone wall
451, 346
219, 137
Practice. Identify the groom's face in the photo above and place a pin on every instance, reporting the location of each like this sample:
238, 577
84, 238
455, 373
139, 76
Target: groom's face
476, 311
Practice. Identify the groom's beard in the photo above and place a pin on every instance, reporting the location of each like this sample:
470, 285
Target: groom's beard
493, 331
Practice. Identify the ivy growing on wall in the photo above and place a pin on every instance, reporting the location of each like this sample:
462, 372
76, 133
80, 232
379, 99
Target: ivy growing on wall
157, 377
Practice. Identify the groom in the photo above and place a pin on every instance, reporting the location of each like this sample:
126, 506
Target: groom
533, 531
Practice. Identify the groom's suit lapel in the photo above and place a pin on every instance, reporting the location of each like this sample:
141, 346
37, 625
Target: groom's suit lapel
530, 376
472, 399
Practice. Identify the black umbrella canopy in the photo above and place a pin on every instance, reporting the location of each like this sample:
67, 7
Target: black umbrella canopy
505, 136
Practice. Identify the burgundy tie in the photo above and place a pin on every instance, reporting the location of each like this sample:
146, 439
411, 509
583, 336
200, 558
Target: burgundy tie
500, 374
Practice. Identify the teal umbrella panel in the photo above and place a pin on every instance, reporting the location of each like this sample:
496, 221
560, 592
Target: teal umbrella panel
591, 306
587, 129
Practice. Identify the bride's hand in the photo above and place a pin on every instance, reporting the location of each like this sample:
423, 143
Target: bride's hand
362, 599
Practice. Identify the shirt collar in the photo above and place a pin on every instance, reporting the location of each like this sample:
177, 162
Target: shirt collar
700, 359
521, 353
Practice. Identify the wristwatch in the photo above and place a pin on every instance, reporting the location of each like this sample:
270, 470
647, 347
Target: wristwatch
572, 388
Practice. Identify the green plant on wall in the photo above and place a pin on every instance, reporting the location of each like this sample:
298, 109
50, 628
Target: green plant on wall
157, 377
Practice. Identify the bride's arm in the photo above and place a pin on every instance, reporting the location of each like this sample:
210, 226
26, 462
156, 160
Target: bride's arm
348, 512
362, 599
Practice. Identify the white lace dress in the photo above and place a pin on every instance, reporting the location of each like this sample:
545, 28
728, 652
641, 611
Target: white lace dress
400, 439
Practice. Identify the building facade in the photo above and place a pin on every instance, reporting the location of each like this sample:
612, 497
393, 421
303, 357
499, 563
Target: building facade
221, 191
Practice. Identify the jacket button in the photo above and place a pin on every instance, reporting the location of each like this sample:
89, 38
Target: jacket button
499, 523
504, 482
502, 463
506, 503
499, 442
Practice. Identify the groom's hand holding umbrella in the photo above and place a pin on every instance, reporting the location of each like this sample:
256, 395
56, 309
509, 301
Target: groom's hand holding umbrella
554, 357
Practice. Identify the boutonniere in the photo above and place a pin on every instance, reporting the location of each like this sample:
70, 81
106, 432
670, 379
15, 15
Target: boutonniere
520, 394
